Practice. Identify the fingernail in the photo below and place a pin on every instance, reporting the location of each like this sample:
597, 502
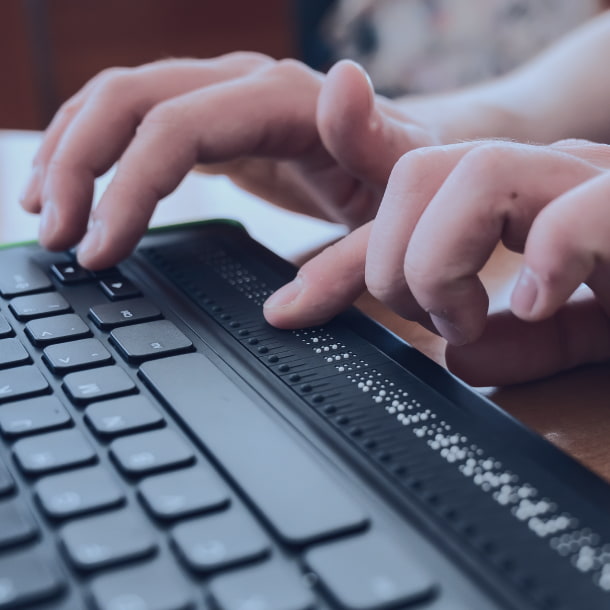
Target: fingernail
92, 241
286, 295
30, 190
48, 222
448, 330
525, 293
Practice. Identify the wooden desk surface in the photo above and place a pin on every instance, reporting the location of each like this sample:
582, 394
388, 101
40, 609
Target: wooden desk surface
571, 410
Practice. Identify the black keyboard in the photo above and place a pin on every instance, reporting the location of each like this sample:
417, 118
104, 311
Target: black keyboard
163, 448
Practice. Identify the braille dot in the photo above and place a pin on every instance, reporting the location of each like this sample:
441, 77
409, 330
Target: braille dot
294, 378
263, 349
273, 359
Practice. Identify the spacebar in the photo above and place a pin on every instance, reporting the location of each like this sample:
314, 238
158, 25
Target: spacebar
286, 483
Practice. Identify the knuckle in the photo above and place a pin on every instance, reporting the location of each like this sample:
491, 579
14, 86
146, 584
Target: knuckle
488, 159
113, 82
289, 69
249, 59
167, 113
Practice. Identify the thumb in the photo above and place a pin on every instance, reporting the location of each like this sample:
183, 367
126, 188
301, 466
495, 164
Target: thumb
366, 134
327, 284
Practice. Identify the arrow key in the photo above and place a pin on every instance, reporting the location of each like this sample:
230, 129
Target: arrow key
116, 287
73, 355
56, 328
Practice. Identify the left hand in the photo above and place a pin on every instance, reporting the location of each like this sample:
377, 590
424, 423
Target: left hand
444, 211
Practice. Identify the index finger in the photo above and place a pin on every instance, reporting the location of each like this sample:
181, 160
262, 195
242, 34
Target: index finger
249, 116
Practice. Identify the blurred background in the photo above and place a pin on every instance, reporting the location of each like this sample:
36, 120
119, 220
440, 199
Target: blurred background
50, 48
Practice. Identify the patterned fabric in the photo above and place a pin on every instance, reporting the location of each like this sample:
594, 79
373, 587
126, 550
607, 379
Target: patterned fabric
418, 46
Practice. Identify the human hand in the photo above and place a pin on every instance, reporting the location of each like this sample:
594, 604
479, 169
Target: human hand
443, 213
244, 114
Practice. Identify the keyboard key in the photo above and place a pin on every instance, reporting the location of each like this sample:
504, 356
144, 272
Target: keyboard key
103, 540
12, 353
53, 451
150, 340
98, 384
6, 480
220, 540
370, 572
184, 492
44, 331
155, 585
37, 305
33, 415
269, 586
79, 491
70, 273
111, 315
298, 497
19, 275
21, 382
73, 355
27, 577
6, 330
122, 415
116, 287
148, 452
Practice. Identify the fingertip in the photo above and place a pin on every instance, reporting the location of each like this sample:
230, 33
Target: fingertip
30, 195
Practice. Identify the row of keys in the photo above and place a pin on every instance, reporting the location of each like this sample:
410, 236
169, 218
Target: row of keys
22, 276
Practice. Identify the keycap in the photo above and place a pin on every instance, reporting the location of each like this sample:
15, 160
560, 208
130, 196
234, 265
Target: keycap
111, 315
98, 384
21, 382
122, 415
33, 415
6, 480
183, 492
290, 487
154, 585
63, 358
37, 305
17, 524
147, 452
27, 577
220, 540
52, 451
116, 287
269, 586
78, 491
44, 331
70, 272
19, 275
149, 340
107, 539
6, 330
12, 353
370, 571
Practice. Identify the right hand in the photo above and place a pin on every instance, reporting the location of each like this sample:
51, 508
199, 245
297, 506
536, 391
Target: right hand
319, 145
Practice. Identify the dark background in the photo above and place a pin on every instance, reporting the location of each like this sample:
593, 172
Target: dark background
50, 48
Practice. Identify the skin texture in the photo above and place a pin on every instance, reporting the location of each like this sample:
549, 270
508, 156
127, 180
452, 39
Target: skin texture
426, 198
